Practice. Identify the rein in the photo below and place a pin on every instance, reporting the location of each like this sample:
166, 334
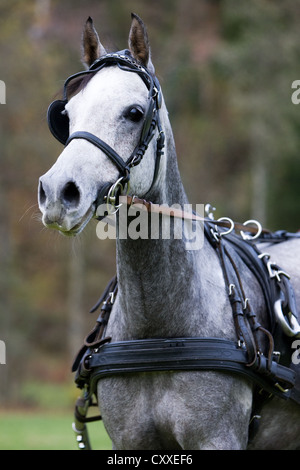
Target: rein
224, 222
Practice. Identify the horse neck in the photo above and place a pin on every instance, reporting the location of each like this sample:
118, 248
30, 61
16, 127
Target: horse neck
155, 275
167, 290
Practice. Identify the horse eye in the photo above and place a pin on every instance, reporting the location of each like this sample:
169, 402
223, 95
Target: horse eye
135, 114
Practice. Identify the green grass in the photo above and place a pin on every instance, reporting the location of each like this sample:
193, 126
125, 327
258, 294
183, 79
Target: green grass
38, 430
45, 421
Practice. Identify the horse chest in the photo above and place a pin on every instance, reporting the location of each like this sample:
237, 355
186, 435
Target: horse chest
131, 403
173, 410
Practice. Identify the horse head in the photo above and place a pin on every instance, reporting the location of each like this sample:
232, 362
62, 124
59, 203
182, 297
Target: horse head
107, 120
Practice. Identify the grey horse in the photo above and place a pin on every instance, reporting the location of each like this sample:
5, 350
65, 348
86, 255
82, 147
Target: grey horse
165, 290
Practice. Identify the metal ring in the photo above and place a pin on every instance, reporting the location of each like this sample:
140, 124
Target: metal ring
113, 188
111, 196
231, 226
290, 326
252, 237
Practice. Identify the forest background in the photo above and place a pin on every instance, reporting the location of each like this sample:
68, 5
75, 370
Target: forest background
226, 68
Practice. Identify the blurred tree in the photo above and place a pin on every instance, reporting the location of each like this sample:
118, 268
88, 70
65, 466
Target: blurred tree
226, 70
257, 63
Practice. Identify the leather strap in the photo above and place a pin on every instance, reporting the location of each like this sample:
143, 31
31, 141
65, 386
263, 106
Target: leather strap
191, 354
178, 213
107, 149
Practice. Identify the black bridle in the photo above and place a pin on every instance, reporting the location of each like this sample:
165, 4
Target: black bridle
58, 120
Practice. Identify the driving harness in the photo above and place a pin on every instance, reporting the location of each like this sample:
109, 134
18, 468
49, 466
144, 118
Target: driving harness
269, 368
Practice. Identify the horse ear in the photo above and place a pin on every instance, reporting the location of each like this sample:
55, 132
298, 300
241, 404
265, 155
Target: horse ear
139, 43
92, 48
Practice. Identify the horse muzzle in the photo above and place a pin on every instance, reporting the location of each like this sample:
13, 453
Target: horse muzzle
63, 209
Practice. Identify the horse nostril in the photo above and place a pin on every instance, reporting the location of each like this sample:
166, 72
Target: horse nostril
42, 194
70, 195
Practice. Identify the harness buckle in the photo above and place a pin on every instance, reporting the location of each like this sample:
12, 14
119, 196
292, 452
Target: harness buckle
283, 390
110, 299
275, 272
254, 417
136, 160
281, 273
231, 288
157, 97
112, 195
216, 234
271, 271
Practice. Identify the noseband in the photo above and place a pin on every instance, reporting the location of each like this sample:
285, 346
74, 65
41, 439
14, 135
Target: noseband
58, 121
